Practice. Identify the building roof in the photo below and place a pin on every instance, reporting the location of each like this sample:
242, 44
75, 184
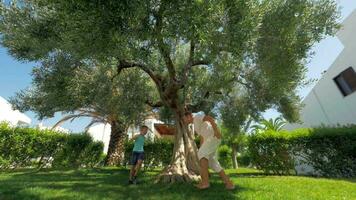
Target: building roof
347, 31
10, 115
165, 129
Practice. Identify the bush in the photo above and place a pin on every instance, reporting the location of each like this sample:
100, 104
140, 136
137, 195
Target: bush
244, 159
157, 153
270, 151
79, 150
224, 156
29, 147
330, 151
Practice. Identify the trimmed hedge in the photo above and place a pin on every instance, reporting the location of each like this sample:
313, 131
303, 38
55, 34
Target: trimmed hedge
225, 156
157, 153
29, 147
330, 151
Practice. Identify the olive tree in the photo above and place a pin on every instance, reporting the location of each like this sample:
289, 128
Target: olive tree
87, 89
261, 45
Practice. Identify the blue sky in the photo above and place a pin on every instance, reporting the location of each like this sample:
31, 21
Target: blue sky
15, 75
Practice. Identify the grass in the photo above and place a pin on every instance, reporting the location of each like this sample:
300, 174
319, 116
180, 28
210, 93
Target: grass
109, 183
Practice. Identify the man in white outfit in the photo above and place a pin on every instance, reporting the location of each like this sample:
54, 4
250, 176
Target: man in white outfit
210, 139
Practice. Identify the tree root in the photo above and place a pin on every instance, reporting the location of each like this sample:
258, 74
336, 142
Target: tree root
173, 174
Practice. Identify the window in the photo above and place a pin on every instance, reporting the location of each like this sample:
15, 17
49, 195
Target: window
346, 81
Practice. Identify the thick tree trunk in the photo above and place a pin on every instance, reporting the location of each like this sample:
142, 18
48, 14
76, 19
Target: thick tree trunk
234, 157
116, 145
184, 166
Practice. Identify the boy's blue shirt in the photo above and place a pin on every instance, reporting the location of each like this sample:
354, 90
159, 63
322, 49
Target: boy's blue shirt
139, 142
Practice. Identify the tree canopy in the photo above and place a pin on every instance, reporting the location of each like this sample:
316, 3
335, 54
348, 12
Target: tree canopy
87, 89
260, 45
196, 52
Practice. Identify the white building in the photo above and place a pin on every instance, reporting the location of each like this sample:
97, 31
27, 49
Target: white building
332, 101
13, 117
58, 128
101, 132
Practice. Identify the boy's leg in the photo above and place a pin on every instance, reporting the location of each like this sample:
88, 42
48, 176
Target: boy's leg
132, 172
133, 162
137, 167
140, 158
204, 173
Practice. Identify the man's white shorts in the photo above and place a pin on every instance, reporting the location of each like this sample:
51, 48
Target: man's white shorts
209, 151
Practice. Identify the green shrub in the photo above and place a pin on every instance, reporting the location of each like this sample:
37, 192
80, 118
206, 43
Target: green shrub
330, 151
224, 156
22, 147
157, 153
270, 151
29, 147
79, 150
244, 159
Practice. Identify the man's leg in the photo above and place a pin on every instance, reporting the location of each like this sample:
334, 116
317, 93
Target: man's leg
204, 173
215, 165
228, 183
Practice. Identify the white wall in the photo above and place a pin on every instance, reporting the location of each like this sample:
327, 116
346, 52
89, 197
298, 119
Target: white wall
325, 104
14, 117
101, 132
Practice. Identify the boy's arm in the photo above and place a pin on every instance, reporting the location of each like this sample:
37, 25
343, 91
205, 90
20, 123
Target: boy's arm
134, 137
211, 120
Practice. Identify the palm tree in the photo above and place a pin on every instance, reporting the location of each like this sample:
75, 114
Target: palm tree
271, 124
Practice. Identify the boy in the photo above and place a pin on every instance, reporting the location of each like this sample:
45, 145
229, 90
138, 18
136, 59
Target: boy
210, 139
137, 154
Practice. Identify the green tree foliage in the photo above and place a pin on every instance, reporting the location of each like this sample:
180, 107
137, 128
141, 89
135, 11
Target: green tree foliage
194, 51
87, 89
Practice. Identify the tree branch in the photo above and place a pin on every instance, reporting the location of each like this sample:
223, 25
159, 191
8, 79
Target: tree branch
200, 62
154, 105
123, 64
189, 64
163, 48
197, 107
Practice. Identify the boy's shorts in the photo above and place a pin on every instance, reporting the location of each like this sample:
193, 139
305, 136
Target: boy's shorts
136, 156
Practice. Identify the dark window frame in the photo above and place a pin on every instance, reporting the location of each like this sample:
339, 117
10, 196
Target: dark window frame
345, 81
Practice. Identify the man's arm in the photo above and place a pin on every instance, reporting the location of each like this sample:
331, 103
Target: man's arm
211, 120
201, 140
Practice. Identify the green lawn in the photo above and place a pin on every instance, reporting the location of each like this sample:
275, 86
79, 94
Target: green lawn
112, 184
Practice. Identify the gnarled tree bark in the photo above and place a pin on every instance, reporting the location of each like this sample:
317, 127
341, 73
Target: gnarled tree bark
117, 144
184, 166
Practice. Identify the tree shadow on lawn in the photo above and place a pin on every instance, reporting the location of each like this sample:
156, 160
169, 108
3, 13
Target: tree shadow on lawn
103, 183
265, 175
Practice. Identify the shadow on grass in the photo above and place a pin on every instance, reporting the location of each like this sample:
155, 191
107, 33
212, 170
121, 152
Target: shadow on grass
102, 183
260, 174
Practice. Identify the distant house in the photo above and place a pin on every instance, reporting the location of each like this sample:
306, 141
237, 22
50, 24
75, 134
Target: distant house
13, 117
58, 128
165, 131
332, 101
